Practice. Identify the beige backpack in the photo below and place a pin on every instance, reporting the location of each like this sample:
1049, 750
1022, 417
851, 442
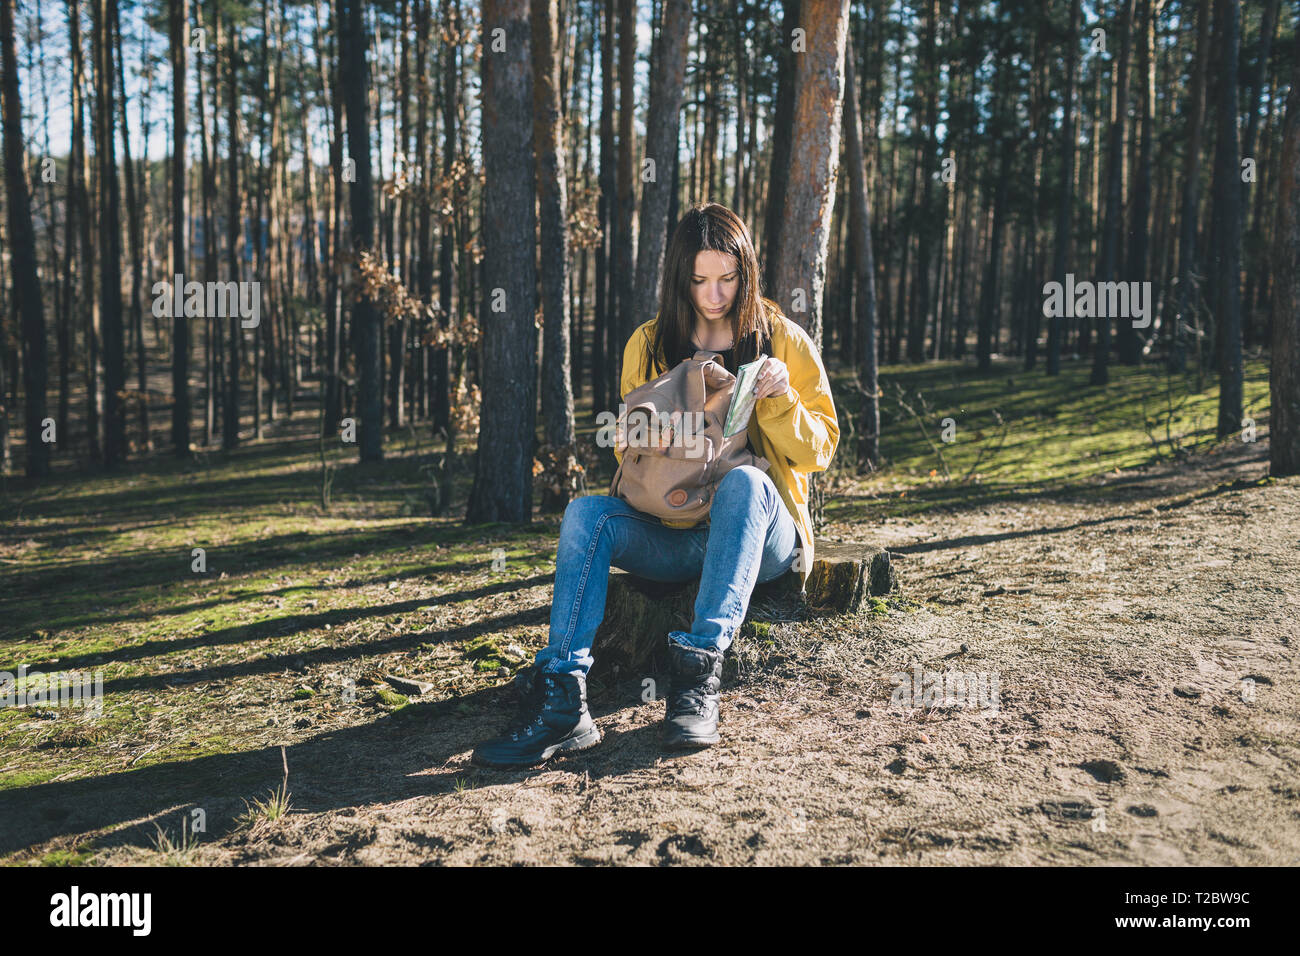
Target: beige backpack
675, 453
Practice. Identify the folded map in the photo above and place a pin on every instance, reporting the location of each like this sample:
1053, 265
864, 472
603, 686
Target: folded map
742, 399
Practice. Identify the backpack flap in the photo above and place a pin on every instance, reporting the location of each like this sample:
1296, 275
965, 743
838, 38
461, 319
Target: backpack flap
714, 375
643, 417
674, 480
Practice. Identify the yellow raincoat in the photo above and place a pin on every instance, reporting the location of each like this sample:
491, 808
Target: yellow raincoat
797, 432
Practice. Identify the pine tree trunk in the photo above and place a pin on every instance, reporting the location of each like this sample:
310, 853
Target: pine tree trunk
782, 119
1031, 284
605, 380
134, 212
332, 259
819, 87
235, 231
208, 173
926, 226
503, 481
145, 189
865, 269
451, 306
354, 81
1108, 266
62, 320
72, 210
89, 298
1226, 247
990, 296
424, 208
1268, 27
1064, 219
1284, 375
741, 64
548, 138
261, 242
625, 318
110, 239
22, 238
1129, 342
661, 146
1184, 298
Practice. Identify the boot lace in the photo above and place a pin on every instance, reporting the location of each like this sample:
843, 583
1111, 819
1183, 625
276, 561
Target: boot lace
689, 692
689, 701
690, 695
528, 721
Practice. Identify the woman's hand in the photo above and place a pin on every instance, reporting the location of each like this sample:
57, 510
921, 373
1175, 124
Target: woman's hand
773, 379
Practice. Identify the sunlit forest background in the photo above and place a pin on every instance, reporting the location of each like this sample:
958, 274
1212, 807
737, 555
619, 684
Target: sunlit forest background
337, 156
311, 311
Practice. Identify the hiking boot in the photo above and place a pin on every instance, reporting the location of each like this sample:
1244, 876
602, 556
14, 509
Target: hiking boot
694, 677
528, 693
551, 718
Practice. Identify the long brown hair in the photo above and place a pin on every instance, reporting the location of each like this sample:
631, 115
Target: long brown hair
709, 226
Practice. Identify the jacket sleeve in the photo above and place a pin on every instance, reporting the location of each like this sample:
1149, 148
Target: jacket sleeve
802, 424
633, 372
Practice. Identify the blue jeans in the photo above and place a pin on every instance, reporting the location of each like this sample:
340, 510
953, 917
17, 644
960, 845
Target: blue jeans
750, 538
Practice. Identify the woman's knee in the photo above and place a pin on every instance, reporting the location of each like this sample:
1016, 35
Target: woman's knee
588, 506
744, 481
582, 515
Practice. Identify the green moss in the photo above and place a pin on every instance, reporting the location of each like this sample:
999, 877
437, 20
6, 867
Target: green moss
27, 778
79, 855
391, 698
483, 648
304, 693
487, 655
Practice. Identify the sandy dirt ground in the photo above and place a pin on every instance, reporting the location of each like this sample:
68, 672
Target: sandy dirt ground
1132, 699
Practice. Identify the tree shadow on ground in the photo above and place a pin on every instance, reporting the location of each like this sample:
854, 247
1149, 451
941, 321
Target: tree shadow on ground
292, 623
1156, 481
34, 593
415, 752
974, 540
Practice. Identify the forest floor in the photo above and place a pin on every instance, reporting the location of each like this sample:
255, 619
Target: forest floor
1131, 605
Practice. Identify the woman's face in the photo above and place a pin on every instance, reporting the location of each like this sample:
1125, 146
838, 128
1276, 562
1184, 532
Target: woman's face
714, 284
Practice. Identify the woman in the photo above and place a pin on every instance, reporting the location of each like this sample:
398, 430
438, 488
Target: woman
758, 526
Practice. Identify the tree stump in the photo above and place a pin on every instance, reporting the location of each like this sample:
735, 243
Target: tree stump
639, 613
